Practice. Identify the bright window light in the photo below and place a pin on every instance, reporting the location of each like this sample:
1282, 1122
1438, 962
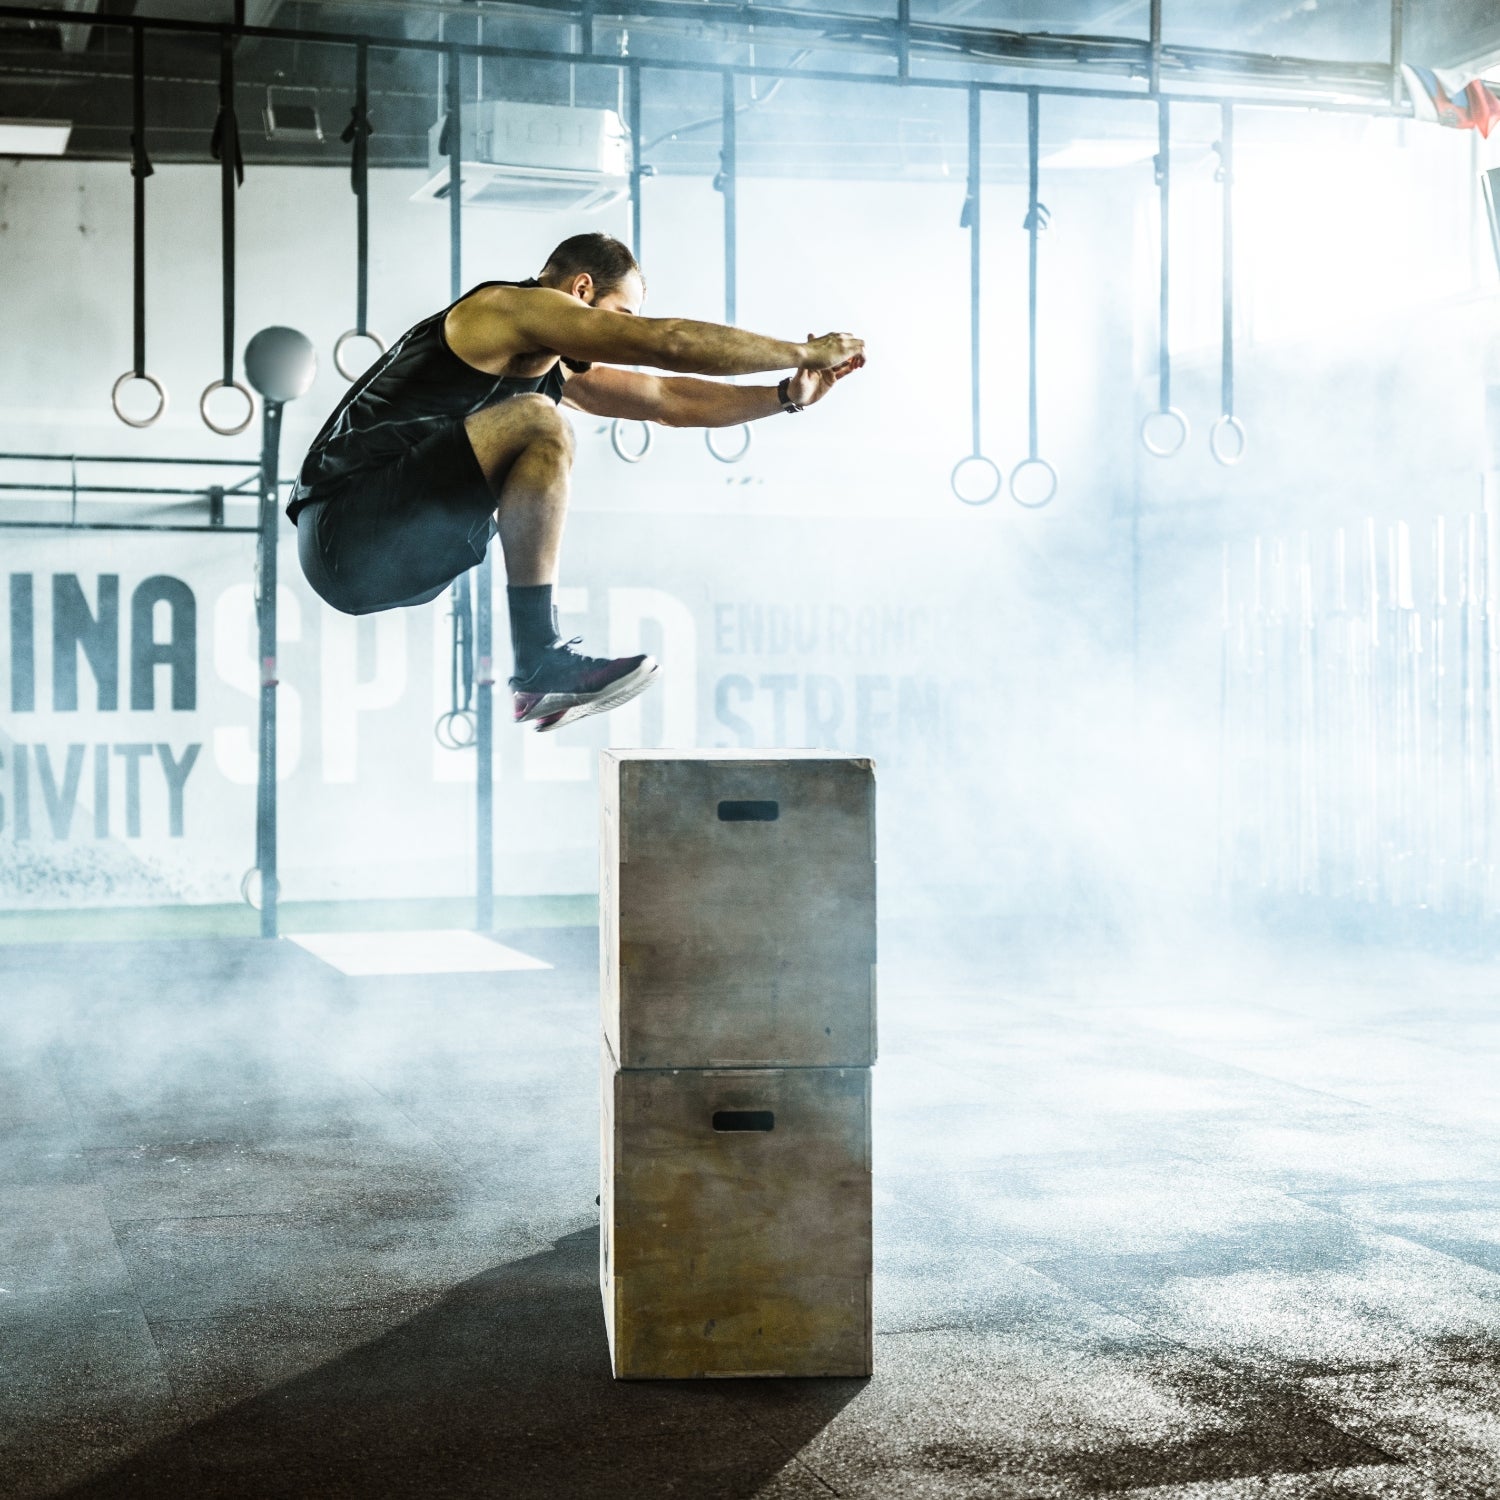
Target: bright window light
1100, 154
457, 952
34, 137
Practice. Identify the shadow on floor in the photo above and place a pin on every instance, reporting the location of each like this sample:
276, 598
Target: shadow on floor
503, 1387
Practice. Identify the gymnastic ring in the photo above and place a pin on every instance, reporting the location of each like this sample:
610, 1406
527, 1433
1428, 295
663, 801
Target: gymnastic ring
1226, 423
1183, 430
226, 385
977, 458
338, 350
1047, 469
155, 384
246, 888
621, 451
728, 458
448, 736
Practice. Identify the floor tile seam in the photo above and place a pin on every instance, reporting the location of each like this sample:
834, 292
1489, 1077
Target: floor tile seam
1340, 1473
298, 1214
1304, 1088
174, 1393
1424, 1463
54, 1076
1243, 1377
444, 1147
1377, 1110
1247, 1376
793, 1455
1156, 1154
163, 1373
1416, 1182
970, 1071
1404, 1367
261, 1144
1241, 1178
378, 1304
1332, 1025
120, 1256
347, 1177
1418, 1243
1483, 1134
1424, 1252
1344, 1216
279, 1213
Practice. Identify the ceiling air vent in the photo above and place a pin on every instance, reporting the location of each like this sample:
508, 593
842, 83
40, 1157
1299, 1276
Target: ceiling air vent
546, 158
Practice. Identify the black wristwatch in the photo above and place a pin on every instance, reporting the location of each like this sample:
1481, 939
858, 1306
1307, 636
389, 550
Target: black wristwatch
787, 404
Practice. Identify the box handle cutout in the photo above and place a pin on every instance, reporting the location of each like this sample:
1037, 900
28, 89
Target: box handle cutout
749, 812
744, 1119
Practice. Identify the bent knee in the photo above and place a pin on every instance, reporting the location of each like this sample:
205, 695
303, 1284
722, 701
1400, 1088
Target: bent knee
552, 427
525, 419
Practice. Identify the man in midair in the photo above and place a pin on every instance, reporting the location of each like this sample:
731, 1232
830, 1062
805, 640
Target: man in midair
454, 435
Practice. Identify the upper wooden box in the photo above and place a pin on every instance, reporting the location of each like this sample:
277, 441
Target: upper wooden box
737, 908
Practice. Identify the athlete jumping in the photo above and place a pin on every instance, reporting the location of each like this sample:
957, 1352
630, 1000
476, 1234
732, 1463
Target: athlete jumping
455, 435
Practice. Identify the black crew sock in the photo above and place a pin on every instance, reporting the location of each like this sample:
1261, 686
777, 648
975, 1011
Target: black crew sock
532, 625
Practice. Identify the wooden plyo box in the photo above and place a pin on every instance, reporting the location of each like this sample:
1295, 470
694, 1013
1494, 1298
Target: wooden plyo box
735, 1221
737, 909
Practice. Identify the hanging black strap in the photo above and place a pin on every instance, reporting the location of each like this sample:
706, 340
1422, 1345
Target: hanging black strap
1164, 186
1036, 221
225, 148
357, 135
140, 170
463, 645
726, 183
636, 170
1226, 177
450, 144
969, 220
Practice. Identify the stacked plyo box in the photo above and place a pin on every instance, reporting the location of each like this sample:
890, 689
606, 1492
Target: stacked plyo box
737, 921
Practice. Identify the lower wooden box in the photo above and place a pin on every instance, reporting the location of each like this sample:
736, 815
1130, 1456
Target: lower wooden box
735, 1221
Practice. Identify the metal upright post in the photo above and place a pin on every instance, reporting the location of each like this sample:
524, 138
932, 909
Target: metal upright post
484, 740
728, 182
265, 803
484, 676
1398, 48
637, 126
1155, 75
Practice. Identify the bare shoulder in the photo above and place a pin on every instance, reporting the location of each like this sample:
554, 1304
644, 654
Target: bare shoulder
496, 324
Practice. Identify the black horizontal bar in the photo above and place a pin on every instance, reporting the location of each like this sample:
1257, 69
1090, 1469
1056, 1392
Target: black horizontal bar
126, 526
1137, 54
106, 489
122, 458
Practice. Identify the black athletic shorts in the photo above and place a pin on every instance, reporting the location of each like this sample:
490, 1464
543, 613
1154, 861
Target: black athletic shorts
400, 534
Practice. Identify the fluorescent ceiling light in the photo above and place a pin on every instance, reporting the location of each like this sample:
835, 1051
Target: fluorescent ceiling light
34, 137
1100, 154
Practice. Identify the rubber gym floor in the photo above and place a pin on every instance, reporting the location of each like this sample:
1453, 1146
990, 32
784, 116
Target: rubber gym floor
1225, 1230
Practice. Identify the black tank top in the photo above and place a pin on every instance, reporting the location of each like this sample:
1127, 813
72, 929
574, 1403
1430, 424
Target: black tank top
415, 386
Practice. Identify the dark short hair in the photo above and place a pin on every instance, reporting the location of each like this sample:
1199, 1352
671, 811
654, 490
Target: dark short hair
605, 258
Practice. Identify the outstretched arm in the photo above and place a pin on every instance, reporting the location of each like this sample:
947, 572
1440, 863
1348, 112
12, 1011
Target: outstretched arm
679, 401
497, 323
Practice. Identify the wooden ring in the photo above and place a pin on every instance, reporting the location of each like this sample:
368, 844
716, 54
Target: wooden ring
617, 443
994, 489
226, 385
154, 383
343, 339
